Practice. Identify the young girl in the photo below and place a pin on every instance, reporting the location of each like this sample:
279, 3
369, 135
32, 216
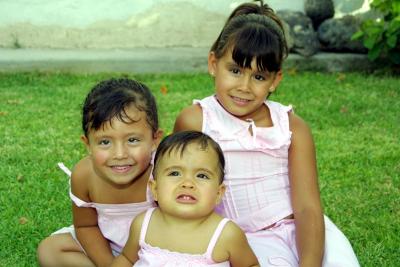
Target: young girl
184, 230
271, 176
109, 186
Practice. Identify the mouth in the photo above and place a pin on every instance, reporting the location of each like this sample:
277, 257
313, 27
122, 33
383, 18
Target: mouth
121, 168
240, 101
186, 199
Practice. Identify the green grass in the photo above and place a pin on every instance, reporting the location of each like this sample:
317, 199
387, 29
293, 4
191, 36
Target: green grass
354, 118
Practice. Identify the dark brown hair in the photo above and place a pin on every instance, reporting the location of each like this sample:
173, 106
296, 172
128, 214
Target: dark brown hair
179, 141
110, 98
253, 31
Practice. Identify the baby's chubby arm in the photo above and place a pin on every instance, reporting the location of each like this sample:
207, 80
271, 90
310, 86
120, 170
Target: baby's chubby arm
233, 241
85, 219
129, 254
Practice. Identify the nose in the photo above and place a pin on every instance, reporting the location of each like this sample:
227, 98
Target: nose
120, 151
187, 183
244, 84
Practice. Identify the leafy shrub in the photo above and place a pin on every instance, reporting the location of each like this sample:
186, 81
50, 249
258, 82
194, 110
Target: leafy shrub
382, 36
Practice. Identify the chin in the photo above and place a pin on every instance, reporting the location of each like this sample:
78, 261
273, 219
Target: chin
121, 182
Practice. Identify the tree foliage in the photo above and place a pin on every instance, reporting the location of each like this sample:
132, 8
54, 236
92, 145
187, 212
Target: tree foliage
382, 36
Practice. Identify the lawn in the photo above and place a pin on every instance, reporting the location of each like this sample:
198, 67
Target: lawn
355, 120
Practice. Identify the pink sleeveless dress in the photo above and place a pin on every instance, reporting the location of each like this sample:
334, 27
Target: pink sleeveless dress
154, 256
257, 195
114, 220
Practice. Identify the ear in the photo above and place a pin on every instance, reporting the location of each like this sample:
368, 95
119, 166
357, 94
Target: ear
277, 79
152, 184
212, 63
157, 136
85, 141
220, 194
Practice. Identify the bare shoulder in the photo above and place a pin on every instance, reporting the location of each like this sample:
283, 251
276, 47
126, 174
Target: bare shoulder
135, 229
299, 128
137, 222
190, 118
234, 241
297, 123
231, 236
232, 233
80, 178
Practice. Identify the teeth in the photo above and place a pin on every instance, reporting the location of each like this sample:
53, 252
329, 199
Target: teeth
185, 197
120, 167
240, 99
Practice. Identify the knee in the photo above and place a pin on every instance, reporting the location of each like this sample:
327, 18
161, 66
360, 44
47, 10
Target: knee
47, 252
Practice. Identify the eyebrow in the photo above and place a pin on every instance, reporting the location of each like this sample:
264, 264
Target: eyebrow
180, 168
169, 168
205, 170
232, 64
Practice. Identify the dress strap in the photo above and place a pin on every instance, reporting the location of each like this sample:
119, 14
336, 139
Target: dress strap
214, 238
78, 202
64, 168
145, 224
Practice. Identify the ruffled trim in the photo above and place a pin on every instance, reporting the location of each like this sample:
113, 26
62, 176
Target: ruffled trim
166, 257
223, 126
173, 255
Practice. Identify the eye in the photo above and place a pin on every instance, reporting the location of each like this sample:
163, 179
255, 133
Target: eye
104, 142
234, 70
259, 77
203, 176
133, 140
174, 173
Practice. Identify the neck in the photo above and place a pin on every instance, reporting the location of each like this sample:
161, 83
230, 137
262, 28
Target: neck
182, 222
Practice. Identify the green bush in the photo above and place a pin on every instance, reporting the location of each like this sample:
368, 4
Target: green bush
381, 36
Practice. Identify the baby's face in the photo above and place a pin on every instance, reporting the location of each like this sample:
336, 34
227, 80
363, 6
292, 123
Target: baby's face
188, 185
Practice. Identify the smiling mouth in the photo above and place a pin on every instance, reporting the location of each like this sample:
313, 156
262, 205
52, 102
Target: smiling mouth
240, 101
121, 168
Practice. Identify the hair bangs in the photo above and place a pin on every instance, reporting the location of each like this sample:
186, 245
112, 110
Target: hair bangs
257, 42
114, 106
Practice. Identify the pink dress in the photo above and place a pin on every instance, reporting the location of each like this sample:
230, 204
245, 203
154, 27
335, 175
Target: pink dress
153, 256
257, 185
114, 220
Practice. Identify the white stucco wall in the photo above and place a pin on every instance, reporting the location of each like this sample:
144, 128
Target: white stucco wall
124, 23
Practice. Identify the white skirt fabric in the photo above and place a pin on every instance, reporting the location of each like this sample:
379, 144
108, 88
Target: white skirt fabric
276, 246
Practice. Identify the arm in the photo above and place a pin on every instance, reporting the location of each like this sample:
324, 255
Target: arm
87, 231
233, 241
190, 118
308, 214
129, 254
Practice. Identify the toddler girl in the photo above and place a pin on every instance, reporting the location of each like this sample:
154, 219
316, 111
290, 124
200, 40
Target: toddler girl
184, 230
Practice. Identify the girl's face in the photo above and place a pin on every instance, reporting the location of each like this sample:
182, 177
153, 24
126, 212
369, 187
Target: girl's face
122, 151
241, 91
188, 186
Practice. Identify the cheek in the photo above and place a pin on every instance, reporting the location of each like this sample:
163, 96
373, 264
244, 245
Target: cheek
222, 84
142, 155
100, 157
212, 195
262, 92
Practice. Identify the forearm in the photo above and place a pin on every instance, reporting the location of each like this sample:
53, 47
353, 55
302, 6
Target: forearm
95, 245
121, 261
310, 238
